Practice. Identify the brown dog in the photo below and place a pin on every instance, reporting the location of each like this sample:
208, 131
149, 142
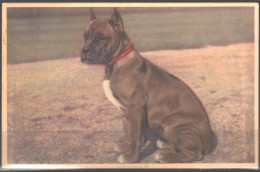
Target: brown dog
148, 96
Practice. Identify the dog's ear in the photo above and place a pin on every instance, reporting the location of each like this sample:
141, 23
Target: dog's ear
116, 21
92, 15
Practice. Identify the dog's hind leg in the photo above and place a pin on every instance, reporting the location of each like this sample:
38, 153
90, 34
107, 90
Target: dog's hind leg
187, 148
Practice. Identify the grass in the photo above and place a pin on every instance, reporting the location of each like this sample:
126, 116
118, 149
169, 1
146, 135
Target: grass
39, 37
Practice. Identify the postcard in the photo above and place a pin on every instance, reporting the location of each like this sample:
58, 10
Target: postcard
130, 85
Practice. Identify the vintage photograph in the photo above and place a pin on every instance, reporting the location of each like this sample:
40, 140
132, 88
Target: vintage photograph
130, 85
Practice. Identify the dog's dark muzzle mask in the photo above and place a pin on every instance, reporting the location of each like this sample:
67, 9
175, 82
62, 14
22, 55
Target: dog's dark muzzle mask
93, 54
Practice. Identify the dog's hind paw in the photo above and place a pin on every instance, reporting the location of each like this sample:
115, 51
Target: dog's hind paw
163, 145
161, 156
158, 156
165, 156
159, 144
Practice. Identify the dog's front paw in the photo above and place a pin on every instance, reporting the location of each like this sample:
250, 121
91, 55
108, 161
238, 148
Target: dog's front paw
121, 159
126, 158
121, 147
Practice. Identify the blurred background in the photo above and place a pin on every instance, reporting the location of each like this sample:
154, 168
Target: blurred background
37, 34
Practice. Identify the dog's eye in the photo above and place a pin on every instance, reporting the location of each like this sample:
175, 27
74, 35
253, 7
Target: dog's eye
103, 37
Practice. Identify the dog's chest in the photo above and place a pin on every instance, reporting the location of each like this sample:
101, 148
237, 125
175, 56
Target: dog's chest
109, 94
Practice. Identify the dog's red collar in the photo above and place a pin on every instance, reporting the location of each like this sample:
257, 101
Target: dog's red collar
124, 54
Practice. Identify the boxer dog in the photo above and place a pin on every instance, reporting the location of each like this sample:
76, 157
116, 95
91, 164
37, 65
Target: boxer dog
148, 96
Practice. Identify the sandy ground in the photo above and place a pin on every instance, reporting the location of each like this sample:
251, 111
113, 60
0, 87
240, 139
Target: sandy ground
58, 113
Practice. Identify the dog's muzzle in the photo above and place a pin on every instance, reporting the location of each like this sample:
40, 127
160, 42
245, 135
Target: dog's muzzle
84, 54
93, 54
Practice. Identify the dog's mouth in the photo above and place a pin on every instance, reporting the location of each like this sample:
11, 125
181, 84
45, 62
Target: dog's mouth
86, 59
90, 60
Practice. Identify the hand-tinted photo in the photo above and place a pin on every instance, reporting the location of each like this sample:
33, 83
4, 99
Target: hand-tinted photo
131, 85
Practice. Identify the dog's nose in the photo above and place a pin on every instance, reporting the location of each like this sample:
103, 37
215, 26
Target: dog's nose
82, 60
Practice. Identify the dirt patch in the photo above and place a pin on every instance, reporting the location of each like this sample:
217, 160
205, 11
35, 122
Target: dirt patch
58, 113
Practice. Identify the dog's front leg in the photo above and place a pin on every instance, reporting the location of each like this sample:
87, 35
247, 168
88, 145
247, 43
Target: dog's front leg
124, 145
135, 134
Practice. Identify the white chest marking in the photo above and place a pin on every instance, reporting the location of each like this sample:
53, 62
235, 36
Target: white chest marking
109, 94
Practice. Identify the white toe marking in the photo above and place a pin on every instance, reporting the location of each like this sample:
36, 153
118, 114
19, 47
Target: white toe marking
121, 159
109, 94
159, 144
157, 156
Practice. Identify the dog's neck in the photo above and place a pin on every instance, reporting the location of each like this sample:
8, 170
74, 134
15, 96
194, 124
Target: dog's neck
118, 64
125, 60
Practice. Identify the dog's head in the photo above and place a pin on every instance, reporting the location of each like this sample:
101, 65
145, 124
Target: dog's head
104, 39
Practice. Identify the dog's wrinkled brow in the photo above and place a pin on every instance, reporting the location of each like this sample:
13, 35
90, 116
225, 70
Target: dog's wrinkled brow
100, 26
